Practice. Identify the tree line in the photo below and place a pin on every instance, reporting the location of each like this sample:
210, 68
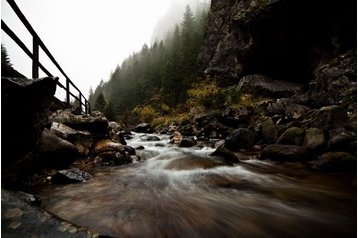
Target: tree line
159, 75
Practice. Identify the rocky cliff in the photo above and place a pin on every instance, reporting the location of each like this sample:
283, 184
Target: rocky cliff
286, 40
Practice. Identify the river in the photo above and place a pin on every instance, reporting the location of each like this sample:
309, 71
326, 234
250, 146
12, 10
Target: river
185, 192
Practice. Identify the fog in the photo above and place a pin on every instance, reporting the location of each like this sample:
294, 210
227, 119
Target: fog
89, 38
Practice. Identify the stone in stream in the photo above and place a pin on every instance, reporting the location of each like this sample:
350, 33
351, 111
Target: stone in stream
241, 138
152, 138
314, 139
285, 153
176, 138
144, 128
73, 175
292, 136
336, 161
187, 142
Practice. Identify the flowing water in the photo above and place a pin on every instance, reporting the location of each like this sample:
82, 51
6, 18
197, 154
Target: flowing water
184, 192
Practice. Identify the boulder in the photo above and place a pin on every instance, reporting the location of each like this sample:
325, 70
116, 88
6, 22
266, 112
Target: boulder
107, 145
114, 126
241, 138
187, 142
314, 139
113, 153
341, 140
25, 107
285, 153
152, 138
260, 85
336, 161
53, 151
269, 131
83, 140
176, 138
292, 136
226, 154
96, 123
329, 117
129, 150
144, 128
296, 111
73, 175
233, 117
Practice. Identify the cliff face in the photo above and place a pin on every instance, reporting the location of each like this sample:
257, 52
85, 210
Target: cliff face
282, 39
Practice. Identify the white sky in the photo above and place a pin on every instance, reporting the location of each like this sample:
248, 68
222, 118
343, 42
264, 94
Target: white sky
88, 38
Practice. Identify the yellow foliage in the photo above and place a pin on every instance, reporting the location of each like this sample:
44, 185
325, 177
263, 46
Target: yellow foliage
205, 93
146, 113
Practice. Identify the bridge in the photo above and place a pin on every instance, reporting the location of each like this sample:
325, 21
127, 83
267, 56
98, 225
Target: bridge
70, 88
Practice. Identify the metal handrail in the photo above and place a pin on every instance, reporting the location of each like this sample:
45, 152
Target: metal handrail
37, 43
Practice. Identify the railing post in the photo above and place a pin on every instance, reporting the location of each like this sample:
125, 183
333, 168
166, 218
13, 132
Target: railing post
80, 102
35, 59
86, 105
67, 90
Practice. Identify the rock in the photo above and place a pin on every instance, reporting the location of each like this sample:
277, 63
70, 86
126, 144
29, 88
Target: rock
140, 147
144, 128
329, 117
292, 136
176, 138
187, 130
129, 150
241, 138
25, 105
269, 131
340, 140
54, 151
335, 82
279, 106
314, 139
114, 126
336, 161
83, 140
96, 123
187, 142
226, 154
285, 153
113, 153
296, 111
152, 138
233, 117
260, 85
21, 219
108, 145
237, 41
73, 175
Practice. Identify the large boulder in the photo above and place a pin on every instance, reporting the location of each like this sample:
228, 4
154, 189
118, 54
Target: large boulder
260, 85
314, 139
329, 117
96, 123
25, 109
342, 140
144, 128
53, 151
336, 161
233, 117
269, 131
112, 153
285, 153
83, 140
292, 136
241, 138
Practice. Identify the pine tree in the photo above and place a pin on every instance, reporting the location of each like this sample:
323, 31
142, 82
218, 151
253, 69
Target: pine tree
100, 103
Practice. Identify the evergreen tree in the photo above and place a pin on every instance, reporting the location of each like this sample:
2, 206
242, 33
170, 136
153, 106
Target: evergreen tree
100, 103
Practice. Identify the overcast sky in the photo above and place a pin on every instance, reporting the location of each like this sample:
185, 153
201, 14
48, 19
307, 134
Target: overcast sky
88, 38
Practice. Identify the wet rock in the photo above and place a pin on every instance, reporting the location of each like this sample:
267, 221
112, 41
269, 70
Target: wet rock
264, 86
140, 147
226, 154
176, 138
340, 140
113, 153
152, 138
329, 117
233, 117
129, 150
96, 123
20, 219
292, 136
83, 140
25, 105
335, 161
285, 153
269, 131
114, 126
54, 151
186, 130
314, 139
187, 142
73, 175
241, 138
144, 128
107, 145
29, 198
